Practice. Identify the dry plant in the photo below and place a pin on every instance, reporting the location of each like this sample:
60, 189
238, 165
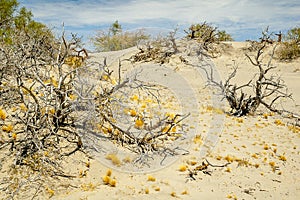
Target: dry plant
267, 89
128, 117
37, 93
54, 103
209, 37
158, 50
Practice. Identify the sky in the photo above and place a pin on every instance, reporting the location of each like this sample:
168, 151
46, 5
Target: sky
243, 19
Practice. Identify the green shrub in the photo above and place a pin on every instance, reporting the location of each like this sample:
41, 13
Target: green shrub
17, 22
224, 36
290, 48
293, 35
207, 33
288, 51
115, 39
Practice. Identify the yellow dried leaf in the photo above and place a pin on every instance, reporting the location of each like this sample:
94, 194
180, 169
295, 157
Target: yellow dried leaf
182, 168
229, 158
114, 159
2, 114
184, 192
108, 172
23, 107
282, 157
105, 77
72, 97
113, 183
106, 180
151, 178
197, 139
134, 98
173, 194
278, 122
228, 169
7, 128
139, 123
50, 191
14, 136
132, 113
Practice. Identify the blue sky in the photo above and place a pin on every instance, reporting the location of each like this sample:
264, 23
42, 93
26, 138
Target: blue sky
243, 19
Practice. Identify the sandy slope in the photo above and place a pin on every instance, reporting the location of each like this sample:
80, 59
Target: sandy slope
255, 146
263, 153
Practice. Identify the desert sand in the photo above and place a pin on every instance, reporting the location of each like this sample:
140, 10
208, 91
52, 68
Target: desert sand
260, 152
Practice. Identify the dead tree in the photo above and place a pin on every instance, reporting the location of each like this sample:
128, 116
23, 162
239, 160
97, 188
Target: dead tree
37, 96
267, 89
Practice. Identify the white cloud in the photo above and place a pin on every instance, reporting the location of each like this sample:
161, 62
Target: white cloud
233, 14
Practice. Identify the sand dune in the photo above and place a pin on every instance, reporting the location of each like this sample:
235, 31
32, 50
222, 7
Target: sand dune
253, 157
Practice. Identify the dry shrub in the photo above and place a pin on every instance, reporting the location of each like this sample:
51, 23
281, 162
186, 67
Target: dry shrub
288, 51
37, 94
159, 50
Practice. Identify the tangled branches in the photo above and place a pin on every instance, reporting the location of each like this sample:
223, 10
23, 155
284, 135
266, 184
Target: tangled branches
129, 118
159, 50
37, 93
268, 90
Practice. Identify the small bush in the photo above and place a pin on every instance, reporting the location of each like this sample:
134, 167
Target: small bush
288, 51
208, 36
207, 33
290, 48
115, 39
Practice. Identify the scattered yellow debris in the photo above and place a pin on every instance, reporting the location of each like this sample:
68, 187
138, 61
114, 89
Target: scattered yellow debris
7, 128
108, 172
151, 178
114, 159
182, 168
2, 114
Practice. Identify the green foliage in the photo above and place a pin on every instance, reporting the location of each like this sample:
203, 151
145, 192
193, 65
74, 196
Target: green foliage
293, 35
224, 36
290, 48
116, 28
207, 33
288, 51
15, 23
115, 39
